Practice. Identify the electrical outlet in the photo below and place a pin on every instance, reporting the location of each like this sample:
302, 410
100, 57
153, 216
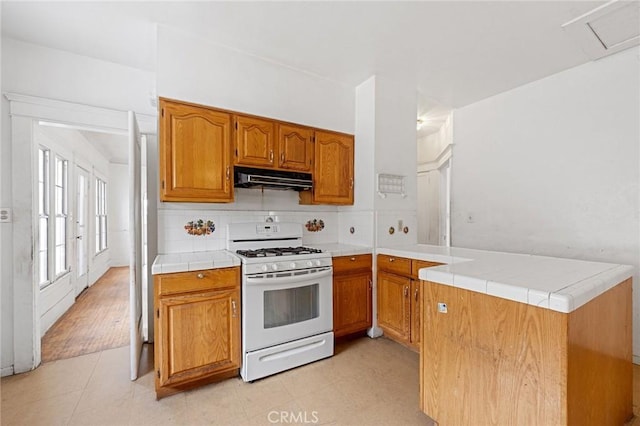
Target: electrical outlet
442, 307
5, 214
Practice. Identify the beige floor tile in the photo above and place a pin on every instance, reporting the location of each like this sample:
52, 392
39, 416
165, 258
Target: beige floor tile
262, 395
52, 411
367, 382
51, 379
113, 412
215, 404
146, 410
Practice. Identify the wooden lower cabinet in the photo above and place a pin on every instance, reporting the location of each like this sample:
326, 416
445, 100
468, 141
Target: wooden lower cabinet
394, 306
495, 361
352, 289
197, 328
399, 298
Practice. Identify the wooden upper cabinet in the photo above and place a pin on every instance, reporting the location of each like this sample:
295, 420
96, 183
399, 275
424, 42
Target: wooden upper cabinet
295, 148
195, 153
254, 141
333, 169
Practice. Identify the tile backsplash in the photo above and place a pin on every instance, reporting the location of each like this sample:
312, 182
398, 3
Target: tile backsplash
173, 238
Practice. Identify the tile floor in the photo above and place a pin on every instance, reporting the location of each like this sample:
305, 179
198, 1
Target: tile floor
367, 382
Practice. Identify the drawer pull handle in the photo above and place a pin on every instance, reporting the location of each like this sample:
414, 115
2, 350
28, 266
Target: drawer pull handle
353, 259
406, 291
282, 158
416, 294
200, 275
233, 306
391, 259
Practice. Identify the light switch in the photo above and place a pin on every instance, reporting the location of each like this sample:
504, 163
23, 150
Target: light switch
5, 214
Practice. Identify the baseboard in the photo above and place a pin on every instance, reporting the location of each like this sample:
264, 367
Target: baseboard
6, 371
374, 332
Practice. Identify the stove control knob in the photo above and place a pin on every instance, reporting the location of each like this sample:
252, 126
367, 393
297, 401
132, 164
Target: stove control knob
293, 265
274, 267
318, 262
264, 268
309, 263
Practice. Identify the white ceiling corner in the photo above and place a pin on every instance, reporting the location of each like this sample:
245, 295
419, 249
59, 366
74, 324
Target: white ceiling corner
607, 29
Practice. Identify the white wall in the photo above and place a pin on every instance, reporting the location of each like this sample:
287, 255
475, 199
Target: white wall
30, 69
118, 214
194, 70
39, 71
552, 168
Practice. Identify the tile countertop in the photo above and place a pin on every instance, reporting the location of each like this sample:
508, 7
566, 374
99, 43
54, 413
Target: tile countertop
342, 249
184, 262
558, 284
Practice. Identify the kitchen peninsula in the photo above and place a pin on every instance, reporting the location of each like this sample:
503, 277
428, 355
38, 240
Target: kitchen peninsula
523, 339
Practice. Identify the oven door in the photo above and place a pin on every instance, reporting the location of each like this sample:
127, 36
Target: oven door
286, 306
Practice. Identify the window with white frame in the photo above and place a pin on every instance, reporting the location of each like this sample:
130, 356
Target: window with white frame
101, 215
52, 225
61, 212
43, 216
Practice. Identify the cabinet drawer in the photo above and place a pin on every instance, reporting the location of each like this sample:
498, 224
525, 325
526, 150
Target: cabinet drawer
398, 265
209, 279
416, 265
351, 263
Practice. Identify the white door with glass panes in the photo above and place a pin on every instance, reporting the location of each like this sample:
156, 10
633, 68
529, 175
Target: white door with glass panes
101, 215
82, 240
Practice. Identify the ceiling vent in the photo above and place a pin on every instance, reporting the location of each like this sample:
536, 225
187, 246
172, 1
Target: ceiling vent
607, 29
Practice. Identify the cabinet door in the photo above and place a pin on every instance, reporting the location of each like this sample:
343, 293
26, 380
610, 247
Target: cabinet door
199, 335
394, 306
254, 141
295, 148
333, 169
195, 153
416, 313
351, 303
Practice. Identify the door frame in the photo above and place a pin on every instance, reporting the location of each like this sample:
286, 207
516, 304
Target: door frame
25, 111
81, 241
442, 163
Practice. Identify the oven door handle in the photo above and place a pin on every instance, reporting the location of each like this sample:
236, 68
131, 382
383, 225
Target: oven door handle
289, 279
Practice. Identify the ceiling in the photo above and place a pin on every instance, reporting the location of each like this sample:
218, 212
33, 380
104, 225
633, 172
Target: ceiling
455, 53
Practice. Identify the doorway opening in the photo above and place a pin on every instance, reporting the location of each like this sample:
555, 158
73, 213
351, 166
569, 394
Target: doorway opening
44, 237
83, 302
434, 182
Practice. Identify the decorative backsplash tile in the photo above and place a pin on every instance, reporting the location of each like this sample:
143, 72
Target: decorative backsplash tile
200, 227
315, 225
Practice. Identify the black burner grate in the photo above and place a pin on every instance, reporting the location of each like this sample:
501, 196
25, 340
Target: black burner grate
278, 251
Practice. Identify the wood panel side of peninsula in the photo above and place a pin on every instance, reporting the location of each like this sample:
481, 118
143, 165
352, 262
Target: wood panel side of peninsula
490, 360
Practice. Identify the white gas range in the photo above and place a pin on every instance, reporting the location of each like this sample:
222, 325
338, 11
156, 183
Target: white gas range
287, 298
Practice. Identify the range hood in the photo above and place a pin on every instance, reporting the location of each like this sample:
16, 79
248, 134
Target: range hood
247, 177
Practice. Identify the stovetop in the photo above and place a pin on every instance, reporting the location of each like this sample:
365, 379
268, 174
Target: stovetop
278, 251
